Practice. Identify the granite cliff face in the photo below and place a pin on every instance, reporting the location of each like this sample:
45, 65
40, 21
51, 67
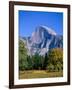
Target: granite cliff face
42, 40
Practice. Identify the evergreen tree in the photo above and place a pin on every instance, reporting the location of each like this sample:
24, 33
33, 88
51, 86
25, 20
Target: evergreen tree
45, 61
29, 60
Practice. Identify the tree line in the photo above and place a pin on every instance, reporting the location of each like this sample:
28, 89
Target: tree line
52, 61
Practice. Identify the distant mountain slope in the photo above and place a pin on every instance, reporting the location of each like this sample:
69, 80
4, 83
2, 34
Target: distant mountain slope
42, 40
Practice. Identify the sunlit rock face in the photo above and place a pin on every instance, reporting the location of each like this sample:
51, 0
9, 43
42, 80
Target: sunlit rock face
41, 40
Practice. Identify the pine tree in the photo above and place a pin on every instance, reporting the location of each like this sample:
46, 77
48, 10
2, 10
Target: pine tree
45, 61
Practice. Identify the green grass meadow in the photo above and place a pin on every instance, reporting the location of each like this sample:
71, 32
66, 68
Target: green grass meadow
29, 74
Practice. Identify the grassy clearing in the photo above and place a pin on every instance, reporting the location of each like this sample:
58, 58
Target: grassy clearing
38, 74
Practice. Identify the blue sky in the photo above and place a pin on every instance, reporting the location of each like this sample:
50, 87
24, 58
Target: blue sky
29, 20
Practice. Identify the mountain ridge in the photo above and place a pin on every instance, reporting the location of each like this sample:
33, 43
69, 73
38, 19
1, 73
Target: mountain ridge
41, 40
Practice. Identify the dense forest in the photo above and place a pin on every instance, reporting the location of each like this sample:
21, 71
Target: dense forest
52, 61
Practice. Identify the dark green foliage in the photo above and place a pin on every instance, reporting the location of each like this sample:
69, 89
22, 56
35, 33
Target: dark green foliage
45, 61
30, 65
36, 61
